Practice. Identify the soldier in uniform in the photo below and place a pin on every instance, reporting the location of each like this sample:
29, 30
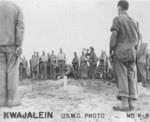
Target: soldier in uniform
38, 65
61, 60
123, 45
148, 67
44, 60
75, 65
83, 66
11, 37
30, 62
48, 66
102, 64
25, 66
53, 65
34, 64
93, 63
141, 62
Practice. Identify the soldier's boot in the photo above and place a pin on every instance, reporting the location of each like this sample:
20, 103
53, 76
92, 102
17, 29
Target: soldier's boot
124, 106
131, 104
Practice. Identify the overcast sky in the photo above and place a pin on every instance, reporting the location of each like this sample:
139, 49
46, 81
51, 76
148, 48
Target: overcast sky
75, 24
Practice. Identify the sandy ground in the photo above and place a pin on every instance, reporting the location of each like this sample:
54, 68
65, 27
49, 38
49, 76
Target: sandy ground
94, 97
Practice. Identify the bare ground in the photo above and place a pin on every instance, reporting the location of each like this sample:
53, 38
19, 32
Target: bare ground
93, 97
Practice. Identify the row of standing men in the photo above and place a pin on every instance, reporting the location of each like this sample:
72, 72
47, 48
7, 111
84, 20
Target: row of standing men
51, 66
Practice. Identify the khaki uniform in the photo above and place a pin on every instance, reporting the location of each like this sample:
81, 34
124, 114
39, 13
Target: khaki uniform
75, 64
11, 36
102, 66
142, 63
148, 67
25, 67
93, 63
61, 60
124, 55
53, 66
83, 67
44, 62
34, 64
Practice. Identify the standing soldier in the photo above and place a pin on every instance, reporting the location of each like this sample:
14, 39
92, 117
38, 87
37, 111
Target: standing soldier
53, 65
38, 66
83, 66
30, 62
48, 66
11, 37
75, 64
25, 66
93, 63
61, 60
148, 67
141, 63
123, 45
103, 64
34, 64
44, 60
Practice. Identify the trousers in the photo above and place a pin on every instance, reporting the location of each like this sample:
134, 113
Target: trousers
92, 71
61, 65
126, 74
44, 69
9, 77
52, 71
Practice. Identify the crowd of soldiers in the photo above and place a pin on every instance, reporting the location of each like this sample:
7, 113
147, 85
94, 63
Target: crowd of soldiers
87, 66
52, 66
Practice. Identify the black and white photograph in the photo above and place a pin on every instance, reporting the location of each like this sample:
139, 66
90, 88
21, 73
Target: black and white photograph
74, 61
